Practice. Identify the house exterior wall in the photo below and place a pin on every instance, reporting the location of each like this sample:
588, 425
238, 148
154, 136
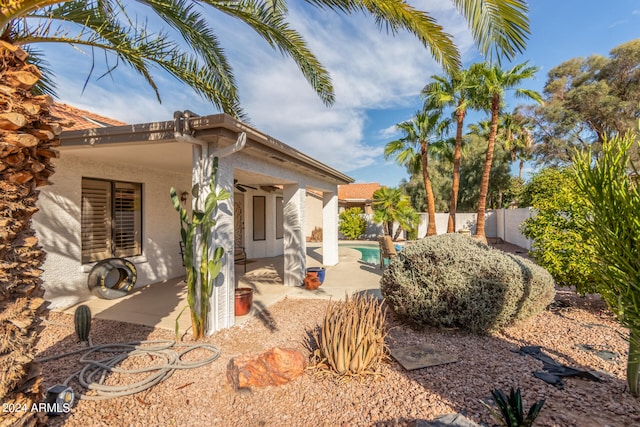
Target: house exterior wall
57, 225
270, 246
313, 213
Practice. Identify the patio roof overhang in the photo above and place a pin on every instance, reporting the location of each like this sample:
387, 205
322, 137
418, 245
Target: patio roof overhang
155, 145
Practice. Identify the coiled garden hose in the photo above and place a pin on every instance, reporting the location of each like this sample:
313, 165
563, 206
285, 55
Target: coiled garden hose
95, 371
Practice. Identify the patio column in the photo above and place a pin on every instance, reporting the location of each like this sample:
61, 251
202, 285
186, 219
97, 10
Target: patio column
221, 308
295, 247
330, 228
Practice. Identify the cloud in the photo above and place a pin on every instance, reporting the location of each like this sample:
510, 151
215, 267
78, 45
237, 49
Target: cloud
388, 132
370, 69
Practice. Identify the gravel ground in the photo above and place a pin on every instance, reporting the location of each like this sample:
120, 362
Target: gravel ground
203, 396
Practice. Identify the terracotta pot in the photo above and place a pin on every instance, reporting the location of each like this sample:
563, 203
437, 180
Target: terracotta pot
244, 298
311, 282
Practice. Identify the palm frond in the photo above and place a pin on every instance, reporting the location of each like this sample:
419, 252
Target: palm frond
396, 15
272, 26
135, 47
45, 85
196, 31
500, 27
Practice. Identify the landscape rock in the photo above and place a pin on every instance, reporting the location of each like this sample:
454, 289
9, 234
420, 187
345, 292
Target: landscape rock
274, 367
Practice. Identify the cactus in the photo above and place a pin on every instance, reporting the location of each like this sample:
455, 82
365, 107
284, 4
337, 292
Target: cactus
82, 321
201, 268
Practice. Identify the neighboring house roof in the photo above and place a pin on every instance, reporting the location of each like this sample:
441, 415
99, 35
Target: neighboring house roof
360, 192
76, 119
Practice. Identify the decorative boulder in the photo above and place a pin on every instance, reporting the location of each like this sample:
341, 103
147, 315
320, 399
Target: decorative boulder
276, 366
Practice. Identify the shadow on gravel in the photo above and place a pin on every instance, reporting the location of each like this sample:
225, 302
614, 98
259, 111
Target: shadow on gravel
487, 362
58, 371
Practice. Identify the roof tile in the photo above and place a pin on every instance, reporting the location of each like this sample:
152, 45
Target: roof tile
357, 191
80, 119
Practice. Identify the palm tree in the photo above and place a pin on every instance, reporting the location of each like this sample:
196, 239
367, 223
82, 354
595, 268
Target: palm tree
457, 90
494, 83
515, 133
408, 220
190, 52
412, 151
387, 202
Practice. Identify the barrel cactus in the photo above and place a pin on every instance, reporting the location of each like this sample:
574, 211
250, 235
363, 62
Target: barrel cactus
82, 320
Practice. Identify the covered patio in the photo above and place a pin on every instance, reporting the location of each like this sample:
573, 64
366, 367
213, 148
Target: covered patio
268, 181
159, 304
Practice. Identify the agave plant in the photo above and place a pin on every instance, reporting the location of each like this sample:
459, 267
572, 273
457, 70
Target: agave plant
351, 339
511, 409
202, 262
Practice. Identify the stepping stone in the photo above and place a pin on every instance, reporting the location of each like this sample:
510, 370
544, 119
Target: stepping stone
421, 356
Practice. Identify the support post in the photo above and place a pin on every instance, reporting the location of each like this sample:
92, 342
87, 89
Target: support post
295, 247
330, 228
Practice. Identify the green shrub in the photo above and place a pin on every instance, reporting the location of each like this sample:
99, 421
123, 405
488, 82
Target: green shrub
352, 223
455, 281
558, 234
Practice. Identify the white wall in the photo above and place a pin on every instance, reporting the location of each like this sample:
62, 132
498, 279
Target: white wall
509, 226
271, 246
313, 213
57, 224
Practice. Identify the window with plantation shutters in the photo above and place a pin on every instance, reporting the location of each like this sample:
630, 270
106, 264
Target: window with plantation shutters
111, 219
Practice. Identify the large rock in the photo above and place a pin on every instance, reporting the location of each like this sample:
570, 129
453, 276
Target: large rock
274, 367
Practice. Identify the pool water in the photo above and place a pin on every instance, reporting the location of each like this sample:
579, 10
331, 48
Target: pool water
370, 255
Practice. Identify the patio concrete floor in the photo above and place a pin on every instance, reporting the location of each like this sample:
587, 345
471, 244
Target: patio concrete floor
159, 304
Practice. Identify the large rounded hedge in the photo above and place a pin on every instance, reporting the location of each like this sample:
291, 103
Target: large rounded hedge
452, 280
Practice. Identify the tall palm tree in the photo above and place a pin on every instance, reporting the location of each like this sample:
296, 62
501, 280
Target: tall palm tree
457, 90
191, 52
412, 151
494, 83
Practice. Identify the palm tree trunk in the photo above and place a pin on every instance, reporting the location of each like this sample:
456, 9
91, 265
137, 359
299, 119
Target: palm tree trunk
521, 167
25, 152
397, 234
431, 203
453, 203
486, 172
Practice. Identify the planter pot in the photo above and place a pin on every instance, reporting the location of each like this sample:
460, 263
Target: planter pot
244, 298
319, 272
311, 282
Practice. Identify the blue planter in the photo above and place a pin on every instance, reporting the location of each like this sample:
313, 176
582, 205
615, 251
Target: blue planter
319, 270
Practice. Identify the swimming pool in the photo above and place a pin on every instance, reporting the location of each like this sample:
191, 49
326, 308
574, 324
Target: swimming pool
370, 255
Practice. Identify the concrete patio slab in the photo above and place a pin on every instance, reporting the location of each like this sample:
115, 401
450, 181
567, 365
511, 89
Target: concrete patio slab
158, 305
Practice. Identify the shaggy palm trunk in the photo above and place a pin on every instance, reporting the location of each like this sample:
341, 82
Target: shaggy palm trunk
453, 204
633, 362
431, 203
486, 172
25, 153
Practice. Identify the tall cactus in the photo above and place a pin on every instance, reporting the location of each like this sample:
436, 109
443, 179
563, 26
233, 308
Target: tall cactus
612, 192
202, 262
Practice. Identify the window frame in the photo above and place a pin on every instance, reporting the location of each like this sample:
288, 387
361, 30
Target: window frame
113, 247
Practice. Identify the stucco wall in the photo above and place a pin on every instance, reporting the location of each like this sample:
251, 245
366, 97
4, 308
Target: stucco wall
58, 226
509, 224
313, 213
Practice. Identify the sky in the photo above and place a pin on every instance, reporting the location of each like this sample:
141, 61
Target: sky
377, 77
